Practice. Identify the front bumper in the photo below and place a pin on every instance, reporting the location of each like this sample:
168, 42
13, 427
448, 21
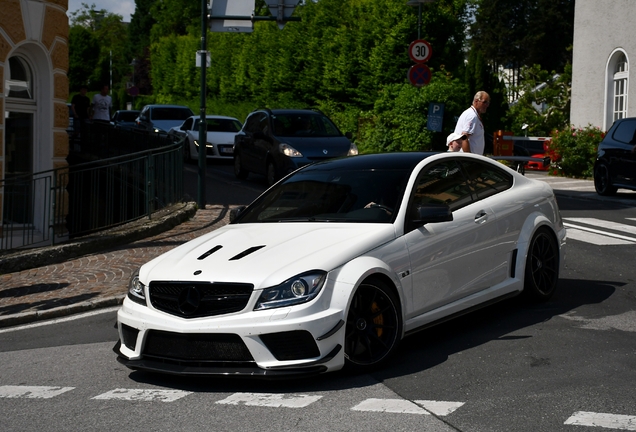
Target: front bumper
288, 342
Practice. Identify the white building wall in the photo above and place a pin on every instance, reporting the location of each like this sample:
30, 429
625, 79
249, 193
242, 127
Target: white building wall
601, 27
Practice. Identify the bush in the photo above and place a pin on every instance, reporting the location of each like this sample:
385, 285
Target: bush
573, 151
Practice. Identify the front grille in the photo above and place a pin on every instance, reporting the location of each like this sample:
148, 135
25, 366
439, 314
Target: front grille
202, 347
293, 345
195, 300
129, 335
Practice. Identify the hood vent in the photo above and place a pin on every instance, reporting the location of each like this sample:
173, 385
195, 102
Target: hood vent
246, 252
210, 252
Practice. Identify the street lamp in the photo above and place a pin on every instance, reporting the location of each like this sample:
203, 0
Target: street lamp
133, 90
418, 3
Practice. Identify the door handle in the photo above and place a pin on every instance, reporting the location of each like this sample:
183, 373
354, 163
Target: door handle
481, 216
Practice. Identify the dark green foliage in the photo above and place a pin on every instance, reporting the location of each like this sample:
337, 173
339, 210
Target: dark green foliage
83, 56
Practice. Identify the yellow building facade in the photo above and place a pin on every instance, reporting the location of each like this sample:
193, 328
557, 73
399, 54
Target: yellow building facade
34, 58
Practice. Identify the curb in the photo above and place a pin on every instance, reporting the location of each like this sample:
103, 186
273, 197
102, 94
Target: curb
58, 312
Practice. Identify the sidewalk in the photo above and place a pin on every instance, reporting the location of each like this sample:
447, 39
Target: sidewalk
60, 286
98, 279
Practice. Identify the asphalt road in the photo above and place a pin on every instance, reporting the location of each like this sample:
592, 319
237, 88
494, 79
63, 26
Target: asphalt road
567, 365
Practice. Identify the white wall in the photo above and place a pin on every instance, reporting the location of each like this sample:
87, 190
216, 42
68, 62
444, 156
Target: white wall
600, 28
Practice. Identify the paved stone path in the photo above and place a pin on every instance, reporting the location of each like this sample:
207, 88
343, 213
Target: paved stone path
95, 280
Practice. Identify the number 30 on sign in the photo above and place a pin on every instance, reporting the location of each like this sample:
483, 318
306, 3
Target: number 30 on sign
420, 51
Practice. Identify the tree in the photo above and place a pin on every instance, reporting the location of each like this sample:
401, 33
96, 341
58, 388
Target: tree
83, 56
110, 32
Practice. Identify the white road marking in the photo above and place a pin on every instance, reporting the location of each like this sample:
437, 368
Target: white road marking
143, 395
600, 223
625, 321
571, 228
399, 406
274, 400
593, 238
60, 320
440, 408
32, 392
610, 421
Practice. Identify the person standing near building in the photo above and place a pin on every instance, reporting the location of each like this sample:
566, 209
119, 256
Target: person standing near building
80, 105
470, 124
101, 105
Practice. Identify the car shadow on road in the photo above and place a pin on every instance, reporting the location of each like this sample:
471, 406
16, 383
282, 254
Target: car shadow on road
433, 346
419, 352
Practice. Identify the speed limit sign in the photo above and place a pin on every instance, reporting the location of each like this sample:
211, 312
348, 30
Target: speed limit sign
420, 51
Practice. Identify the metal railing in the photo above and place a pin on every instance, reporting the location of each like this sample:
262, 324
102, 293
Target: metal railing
51, 206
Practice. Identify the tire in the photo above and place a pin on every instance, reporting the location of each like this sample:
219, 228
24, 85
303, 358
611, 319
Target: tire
373, 327
602, 180
542, 267
271, 175
239, 172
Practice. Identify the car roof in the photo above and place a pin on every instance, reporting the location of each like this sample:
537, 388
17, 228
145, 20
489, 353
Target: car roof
398, 161
214, 116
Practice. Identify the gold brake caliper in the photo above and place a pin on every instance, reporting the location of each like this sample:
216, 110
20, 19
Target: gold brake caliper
379, 320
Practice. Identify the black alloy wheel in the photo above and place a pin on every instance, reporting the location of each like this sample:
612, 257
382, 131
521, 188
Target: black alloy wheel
239, 172
374, 326
602, 180
542, 267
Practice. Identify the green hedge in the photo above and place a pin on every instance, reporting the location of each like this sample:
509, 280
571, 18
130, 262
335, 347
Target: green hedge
573, 151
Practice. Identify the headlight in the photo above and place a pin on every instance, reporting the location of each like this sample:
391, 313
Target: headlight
299, 289
289, 151
207, 144
353, 150
136, 290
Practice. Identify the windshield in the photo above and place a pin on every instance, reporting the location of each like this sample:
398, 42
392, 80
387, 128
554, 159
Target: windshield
173, 113
220, 125
304, 125
322, 195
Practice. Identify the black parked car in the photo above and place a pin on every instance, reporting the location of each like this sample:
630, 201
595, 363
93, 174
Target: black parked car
277, 142
124, 119
615, 165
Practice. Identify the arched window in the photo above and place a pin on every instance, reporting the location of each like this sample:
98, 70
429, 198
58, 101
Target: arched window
621, 70
19, 83
617, 86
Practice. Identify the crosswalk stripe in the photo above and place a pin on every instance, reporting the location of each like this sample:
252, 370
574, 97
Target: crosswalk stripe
596, 239
32, 392
603, 233
440, 408
611, 421
275, 400
398, 406
146, 395
600, 223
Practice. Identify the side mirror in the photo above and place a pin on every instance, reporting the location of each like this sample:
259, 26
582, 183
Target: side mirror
431, 213
349, 135
235, 212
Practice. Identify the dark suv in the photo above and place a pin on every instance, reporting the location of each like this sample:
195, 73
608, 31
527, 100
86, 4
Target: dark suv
277, 142
615, 165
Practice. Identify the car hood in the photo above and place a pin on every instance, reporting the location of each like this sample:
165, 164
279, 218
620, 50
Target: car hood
316, 147
166, 125
266, 254
218, 137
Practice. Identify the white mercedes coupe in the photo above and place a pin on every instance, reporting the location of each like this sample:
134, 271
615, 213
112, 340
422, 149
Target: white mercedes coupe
339, 261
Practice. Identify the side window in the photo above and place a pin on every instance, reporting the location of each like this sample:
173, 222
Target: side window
252, 123
263, 125
625, 132
485, 179
442, 183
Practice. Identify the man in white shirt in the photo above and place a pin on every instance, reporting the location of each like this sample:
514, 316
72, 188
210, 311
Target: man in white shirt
101, 105
470, 124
